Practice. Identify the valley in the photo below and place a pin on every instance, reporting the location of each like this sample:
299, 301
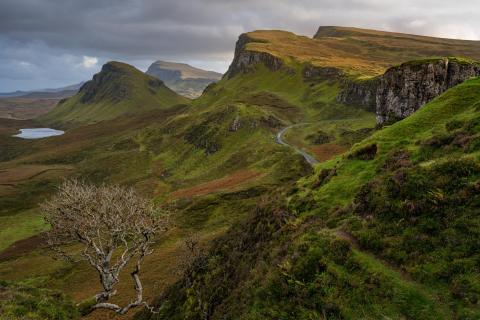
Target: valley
317, 182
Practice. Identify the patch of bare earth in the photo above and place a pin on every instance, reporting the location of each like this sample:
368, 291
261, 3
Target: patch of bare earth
235, 179
16, 174
327, 151
23, 246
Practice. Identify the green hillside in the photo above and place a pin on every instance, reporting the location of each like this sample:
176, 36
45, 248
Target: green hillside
387, 230
373, 231
118, 89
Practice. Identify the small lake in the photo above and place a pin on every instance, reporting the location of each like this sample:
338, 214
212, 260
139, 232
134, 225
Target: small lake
37, 133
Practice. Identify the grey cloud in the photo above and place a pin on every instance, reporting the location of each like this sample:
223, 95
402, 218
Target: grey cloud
42, 42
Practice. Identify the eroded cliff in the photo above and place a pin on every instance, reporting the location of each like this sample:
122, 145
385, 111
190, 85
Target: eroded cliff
244, 58
404, 89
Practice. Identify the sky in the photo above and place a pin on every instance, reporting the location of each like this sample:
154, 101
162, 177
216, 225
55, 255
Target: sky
54, 43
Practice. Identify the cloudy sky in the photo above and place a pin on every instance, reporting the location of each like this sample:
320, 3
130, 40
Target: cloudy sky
53, 43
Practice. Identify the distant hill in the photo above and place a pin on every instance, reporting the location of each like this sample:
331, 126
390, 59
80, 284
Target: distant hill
116, 90
50, 94
25, 108
183, 78
53, 93
32, 104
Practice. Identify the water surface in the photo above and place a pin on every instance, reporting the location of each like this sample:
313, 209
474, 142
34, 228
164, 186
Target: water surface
37, 133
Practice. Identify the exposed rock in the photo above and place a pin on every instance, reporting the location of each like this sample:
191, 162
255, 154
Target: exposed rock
360, 93
244, 59
406, 88
236, 124
314, 73
93, 90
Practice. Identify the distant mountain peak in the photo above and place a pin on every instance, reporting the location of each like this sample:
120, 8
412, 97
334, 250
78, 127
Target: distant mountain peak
183, 78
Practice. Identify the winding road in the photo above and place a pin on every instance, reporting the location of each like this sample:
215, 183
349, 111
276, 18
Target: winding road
279, 139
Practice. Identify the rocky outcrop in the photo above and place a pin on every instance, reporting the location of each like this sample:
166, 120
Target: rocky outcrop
360, 93
96, 89
316, 73
244, 59
406, 88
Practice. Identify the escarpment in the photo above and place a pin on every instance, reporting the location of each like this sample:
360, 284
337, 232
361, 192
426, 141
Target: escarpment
360, 93
244, 59
393, 95
406, 88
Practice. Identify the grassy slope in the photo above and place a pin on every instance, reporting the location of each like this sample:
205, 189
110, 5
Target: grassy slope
418, 290
346, 254
413, 135
174, 149
120, 89
26, 302
153, 153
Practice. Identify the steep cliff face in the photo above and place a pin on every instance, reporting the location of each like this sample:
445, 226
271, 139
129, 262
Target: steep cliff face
244, 59
108, 84
405, 89
360, 93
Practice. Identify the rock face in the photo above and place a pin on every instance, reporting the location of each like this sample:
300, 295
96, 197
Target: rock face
360, 93
183, 78
114, 84
315, 73
244, 59
105, 85
405, 89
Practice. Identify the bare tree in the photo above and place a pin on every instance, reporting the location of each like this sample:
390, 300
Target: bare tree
113, 225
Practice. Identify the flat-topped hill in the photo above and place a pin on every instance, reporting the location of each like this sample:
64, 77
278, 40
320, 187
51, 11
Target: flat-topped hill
183, 78
352, 50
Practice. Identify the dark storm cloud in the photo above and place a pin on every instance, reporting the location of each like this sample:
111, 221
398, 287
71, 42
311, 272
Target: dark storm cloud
46, 43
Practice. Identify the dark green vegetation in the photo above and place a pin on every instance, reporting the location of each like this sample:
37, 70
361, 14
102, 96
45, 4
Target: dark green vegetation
398, 241
386, 230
